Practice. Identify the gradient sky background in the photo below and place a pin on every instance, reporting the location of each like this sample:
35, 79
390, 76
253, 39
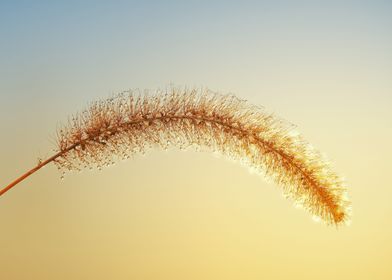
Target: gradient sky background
325, 66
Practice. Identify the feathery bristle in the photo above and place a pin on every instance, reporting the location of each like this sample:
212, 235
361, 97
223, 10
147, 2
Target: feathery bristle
132, 122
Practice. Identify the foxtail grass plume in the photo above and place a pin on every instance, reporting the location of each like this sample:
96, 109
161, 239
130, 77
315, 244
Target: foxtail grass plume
133, 121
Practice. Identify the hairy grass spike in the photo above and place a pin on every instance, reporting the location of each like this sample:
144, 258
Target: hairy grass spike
132, 121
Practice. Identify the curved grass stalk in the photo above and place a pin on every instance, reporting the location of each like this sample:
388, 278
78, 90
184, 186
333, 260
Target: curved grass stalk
132, 122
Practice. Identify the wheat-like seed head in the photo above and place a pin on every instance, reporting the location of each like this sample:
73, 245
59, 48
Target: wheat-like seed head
132, 121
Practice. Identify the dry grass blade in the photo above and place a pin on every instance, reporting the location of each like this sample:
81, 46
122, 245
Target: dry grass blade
132, 122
